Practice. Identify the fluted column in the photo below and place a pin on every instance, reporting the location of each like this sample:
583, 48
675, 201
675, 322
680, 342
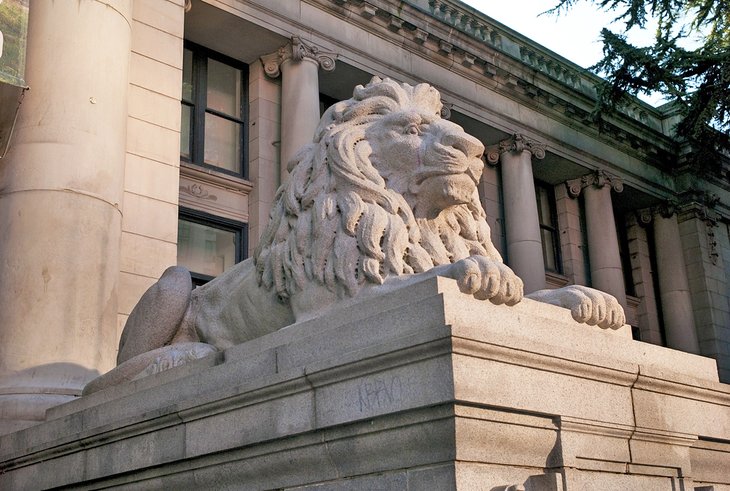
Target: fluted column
603, 251
61, 187
298, 64
676, 301
522, 225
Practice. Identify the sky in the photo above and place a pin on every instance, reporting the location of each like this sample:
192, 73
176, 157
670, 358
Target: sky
573, 34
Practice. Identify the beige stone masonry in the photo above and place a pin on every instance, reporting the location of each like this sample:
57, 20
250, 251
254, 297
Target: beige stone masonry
522, 226
214, 192
62, 193
707, 283
151, 185
264, 144
641, 272
674, 290
489, 194
298, 63
425, 388
571, 236
603, 251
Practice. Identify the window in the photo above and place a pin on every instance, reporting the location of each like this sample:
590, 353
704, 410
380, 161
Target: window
548, 229
623, 250
214, 108
325, 102
208, 245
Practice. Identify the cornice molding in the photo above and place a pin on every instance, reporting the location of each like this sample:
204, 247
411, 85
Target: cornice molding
507, 62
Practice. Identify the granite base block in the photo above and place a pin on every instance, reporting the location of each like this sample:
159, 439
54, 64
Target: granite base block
424, 389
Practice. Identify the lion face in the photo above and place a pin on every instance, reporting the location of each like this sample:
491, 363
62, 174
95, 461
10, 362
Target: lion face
430, 161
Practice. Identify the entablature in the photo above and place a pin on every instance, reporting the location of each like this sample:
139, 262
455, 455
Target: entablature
501, 59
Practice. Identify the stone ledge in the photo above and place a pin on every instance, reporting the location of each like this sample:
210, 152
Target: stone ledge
426, 382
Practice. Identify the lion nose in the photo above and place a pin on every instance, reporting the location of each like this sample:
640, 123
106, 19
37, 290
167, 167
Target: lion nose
463, 142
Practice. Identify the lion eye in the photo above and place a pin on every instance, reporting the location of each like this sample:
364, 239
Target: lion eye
412, 129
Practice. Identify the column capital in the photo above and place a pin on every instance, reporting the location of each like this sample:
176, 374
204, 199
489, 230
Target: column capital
297, 50
516, 143
665, 209
598, 178
699, 204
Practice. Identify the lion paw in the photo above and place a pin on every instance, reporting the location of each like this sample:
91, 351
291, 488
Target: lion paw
487, 279
589, 306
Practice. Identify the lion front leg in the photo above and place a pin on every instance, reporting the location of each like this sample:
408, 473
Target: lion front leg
586, 305
487, 279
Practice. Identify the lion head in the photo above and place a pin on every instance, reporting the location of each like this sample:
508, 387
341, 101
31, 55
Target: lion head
386, 188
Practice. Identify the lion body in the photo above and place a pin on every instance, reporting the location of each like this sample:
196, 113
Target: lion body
386, 194
343, 223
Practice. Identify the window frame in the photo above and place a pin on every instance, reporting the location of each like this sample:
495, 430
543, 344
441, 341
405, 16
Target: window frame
240, 229
198, 108
552, 228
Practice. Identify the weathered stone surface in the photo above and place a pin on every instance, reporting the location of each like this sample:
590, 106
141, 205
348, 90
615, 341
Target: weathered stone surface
150, 363
452, 393
385, 195
156, 318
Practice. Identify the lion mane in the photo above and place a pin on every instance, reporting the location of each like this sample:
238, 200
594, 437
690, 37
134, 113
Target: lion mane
336, 222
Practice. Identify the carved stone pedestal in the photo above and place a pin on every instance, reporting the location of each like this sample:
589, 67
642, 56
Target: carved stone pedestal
426, 388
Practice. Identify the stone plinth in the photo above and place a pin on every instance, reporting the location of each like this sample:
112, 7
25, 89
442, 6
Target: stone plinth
426, 388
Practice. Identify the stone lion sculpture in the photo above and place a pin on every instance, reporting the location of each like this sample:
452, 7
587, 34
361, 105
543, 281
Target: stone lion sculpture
385, 195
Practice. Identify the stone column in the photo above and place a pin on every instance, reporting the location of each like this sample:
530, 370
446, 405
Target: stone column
674, 293
603, 252
522, 225
61, 187
298, 64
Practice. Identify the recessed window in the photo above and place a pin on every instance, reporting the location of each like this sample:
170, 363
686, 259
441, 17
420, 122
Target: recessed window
208, 245
325, 102
548, 228
213, 126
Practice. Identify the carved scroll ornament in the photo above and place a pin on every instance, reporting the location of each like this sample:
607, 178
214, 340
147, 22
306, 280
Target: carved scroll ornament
517, 143
297, 50
598, 178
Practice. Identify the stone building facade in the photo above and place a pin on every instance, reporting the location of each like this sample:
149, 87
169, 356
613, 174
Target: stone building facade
157, 132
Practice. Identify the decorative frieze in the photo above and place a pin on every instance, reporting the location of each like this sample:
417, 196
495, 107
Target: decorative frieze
517, 143
368, 11
198, 191
420, 36
598, 178
297, 50
550, 67
472, 25
395, 24
467, 59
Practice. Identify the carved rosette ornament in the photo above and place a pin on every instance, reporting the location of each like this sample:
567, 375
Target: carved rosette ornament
644, 216
517, 143
599, 178
297, 50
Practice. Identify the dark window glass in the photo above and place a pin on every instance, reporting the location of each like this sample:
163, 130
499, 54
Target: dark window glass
547, 216
214, 110
623, 249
